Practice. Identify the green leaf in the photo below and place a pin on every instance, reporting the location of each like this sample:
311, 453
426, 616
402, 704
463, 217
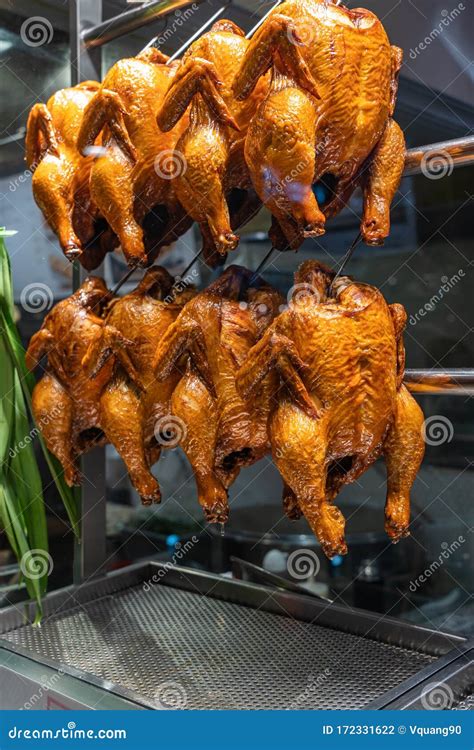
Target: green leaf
15, 531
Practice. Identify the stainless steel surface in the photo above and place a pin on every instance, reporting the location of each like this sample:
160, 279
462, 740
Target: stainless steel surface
444, 155
101, 33
85, 64
218, 654
89, 556
225, 642
455, 382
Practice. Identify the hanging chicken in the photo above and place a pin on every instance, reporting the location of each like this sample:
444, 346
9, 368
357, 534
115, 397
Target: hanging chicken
327, 117
61, 175
207, 344
131, 182
213, 184
65, 399
339, 403
132, 408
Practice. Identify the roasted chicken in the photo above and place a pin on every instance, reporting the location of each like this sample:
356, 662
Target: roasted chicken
327, 118
61, 175
339, 402
207, 344
131, 182
134, 405
65, 399
214, 184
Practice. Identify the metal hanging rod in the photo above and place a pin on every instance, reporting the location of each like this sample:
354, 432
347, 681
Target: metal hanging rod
452, 382
439, 157
133, 19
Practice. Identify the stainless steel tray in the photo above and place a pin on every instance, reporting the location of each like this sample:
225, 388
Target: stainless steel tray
175, 638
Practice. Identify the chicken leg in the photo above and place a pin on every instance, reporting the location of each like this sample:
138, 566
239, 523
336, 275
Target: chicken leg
403, 449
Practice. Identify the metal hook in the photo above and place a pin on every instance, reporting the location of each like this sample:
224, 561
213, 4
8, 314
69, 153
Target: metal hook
345, 260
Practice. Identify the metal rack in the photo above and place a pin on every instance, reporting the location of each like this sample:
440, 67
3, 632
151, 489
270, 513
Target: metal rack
88, 34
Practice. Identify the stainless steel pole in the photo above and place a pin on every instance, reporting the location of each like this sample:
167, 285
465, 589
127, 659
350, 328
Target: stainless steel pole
444, 155
90, 554
101, 33
452, 382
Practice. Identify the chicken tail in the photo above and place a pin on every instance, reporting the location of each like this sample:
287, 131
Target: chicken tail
105, 108
277, 42
196, 76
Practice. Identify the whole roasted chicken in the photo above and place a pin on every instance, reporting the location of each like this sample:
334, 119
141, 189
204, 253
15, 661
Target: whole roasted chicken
327, 117
214, 184
65, 399
135, 406
206, 345
340, 402
61, 175
131, 182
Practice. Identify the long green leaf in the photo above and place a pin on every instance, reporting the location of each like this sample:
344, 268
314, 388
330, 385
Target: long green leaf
19, 542
28, 486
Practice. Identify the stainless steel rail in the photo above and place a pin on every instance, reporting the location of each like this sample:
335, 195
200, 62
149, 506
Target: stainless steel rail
452, 382
439, 158
133, 19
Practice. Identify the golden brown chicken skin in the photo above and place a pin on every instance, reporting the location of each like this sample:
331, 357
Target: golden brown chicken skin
340, 401
134, 175
65, 399
207, 344
134, 403
214, 184
329, 114
61, 174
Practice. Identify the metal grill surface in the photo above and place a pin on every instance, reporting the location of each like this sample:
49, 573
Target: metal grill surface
178, 649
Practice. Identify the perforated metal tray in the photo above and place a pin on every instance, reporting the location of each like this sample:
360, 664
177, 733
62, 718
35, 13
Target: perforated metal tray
177, 638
